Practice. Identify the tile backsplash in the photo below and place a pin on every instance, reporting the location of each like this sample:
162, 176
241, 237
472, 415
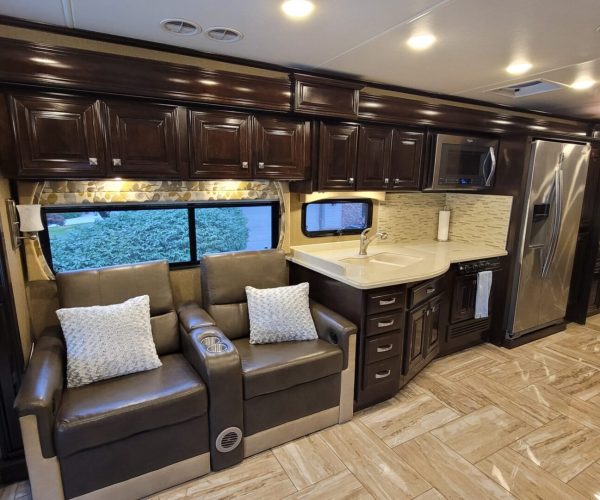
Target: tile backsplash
478, 219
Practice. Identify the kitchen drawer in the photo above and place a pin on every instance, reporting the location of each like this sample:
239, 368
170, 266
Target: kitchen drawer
383, 346
382, 371
426, 290
383, 323
391, 300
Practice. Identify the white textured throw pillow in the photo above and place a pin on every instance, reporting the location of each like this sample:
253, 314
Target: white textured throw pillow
108, 341
280, 314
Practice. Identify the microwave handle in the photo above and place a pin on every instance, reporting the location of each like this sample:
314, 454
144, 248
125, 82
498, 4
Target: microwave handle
490, 178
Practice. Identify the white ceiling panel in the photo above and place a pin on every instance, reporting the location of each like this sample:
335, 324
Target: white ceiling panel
334, 26
43, 11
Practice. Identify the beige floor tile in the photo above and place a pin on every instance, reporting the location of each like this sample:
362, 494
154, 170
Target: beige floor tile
498, 354
547, 357
408, 418
453, 394
481, 433
462, 364
518, 405
23, 491
584, 412
258, 477
580, 380
308, 460
523, 478
8, 492
588, 482
595, 400
452, 475
583, 346
562, 447
409, 391
341, 486
432, 494
518, 373
383, 473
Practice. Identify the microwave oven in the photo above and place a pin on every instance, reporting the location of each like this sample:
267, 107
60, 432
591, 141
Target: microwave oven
462, 163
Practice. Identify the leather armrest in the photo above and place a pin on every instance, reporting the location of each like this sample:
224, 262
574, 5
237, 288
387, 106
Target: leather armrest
41, 391
333, 327
222, 373
192, 316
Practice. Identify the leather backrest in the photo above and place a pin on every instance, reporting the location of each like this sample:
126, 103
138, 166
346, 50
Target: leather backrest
115, 284
224, 278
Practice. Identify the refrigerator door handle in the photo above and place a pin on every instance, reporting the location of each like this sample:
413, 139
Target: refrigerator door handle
490, 178
557, 221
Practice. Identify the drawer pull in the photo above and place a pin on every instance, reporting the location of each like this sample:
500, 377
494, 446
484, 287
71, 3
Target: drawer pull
383, 374
93, 162
385, 348
383, 324
430, 290
244, 164
389, 302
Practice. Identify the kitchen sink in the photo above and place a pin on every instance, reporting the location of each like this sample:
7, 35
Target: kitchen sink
385, 258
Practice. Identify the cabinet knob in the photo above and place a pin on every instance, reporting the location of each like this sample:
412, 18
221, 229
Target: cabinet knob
396, 181
428, 312
261, 164
116, 162
93, 162
244, 164
351, 180
386, 180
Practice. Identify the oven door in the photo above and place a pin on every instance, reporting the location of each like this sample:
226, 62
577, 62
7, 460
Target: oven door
461, 162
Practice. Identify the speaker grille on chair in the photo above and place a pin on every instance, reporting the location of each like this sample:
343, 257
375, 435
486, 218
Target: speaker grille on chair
229, 439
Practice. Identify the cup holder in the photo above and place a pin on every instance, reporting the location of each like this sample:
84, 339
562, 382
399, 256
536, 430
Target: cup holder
212, 343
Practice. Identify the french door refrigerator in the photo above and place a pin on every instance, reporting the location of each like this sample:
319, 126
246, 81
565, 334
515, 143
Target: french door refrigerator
555, 188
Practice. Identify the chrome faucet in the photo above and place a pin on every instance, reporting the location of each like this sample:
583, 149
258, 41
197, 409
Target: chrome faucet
365, 241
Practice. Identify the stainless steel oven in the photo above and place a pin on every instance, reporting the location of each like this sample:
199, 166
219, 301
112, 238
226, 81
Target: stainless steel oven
463, 163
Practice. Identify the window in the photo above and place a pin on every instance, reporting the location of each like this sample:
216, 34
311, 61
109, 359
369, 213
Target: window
336, 217
96, 236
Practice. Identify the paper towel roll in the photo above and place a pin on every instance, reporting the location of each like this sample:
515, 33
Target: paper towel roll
443, 225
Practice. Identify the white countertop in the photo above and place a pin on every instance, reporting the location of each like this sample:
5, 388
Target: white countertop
422, 260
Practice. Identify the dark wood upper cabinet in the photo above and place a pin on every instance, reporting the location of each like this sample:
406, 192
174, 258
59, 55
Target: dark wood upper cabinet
325, 96
281, 148
337, 157
220, 144
407, 160
58, 136
146, 139
374, 157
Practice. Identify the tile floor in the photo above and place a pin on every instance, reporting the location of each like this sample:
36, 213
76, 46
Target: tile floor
483, 423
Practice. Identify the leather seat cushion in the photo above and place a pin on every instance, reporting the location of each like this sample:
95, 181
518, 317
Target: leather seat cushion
269, 368
114, 409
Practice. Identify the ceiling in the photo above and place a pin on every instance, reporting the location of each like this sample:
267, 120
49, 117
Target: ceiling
476, 40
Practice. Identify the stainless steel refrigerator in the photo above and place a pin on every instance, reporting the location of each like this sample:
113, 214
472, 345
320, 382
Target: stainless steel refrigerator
555, 187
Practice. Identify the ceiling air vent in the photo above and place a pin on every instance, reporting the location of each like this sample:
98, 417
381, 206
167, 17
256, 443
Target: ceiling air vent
219, 34
180, 27
528, 88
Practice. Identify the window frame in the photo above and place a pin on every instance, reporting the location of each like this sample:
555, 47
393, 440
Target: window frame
190, 207
339, 232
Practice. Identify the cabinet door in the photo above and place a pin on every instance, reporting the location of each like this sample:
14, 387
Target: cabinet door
146, 139
407, 153
220, 145
374, 157
337, 157
416, 339
463, 298
58, 136
435, 328
282, 148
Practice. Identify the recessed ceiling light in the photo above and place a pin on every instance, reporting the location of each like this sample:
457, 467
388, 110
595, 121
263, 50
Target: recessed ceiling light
583, 84
518, 68
420, 42
297, 9
180, 27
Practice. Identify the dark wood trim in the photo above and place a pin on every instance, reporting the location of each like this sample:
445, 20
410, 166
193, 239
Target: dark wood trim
539, 334
325, 96
12, 471
94, 35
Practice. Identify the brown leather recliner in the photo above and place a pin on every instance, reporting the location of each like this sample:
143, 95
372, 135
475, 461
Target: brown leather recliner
291, 388
124, 437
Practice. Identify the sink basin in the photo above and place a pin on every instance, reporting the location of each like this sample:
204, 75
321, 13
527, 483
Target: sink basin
385, 258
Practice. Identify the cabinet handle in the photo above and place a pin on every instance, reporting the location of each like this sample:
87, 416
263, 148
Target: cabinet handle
244, 164
261, 164
389, 302
430, 290
382, 324
408, 143
396, 181
386, 180
385, 348
383, 374
116, 162
93, 162
351, 180
428, 312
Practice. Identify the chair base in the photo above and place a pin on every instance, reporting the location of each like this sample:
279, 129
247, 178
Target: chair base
283, 433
